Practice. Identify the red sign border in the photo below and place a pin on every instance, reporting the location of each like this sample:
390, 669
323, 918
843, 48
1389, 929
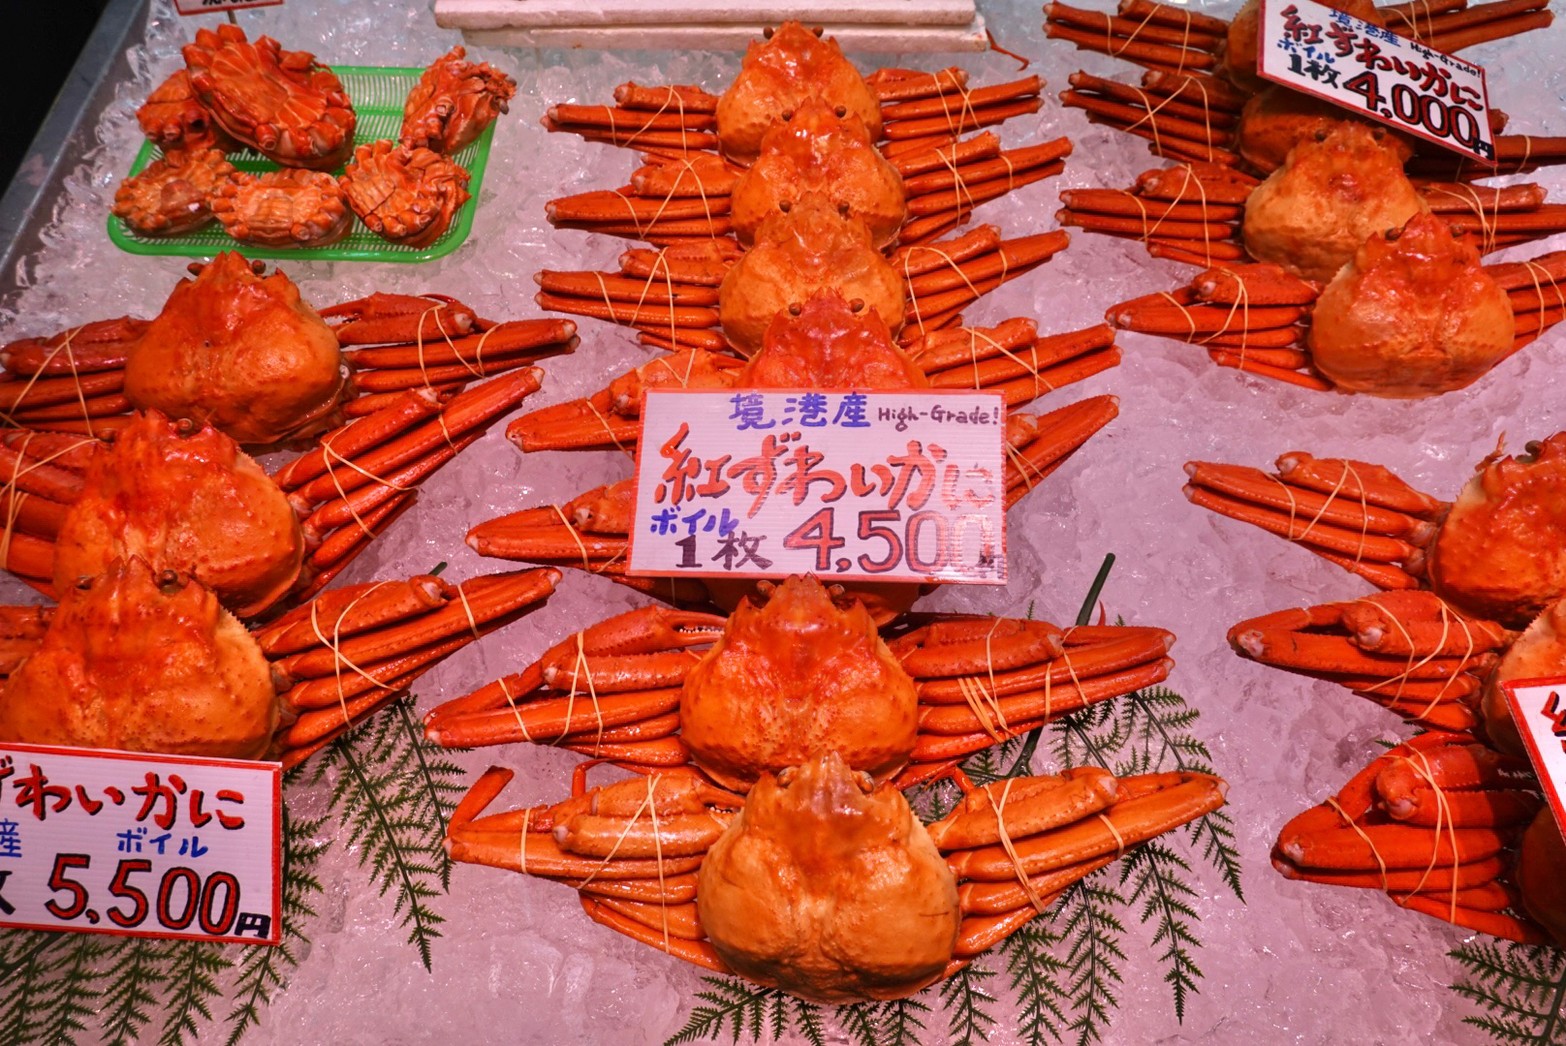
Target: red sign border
1551, 793
276, 775
1397, 125
846, 579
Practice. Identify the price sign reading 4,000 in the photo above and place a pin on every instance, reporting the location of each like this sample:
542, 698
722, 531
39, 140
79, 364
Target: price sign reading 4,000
896, 486
1375, 72
160, 846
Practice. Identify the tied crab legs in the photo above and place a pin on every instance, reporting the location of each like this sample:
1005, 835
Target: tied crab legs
801, 197
383, 388
1450, 823
828, 344
148, 660
772, 764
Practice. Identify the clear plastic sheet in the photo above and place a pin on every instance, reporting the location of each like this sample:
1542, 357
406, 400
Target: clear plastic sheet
517, 959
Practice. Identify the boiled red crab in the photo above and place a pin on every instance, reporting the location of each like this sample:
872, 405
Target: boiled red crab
829, 343
1474, 598
453, 102
283, 104
149, 660
407, 195
1412, 314
292, 207
244, 354
173, 195
820, 880
173, 118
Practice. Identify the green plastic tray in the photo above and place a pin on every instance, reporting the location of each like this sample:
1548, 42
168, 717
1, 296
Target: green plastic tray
378, 93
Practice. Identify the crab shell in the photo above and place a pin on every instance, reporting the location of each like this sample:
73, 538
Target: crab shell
174, 194
819, 148
453, 102
283, 104
1540, 857
291, 207
1277, 119
1538, 653
187, 499
143, 663
829, 888
241, 352
1501, 552
829, 682
406, 195
1413, 314
174, 118
809, 246
777, 76
1333, 192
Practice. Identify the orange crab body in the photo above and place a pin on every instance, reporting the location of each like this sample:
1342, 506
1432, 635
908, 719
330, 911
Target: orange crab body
828, 151
185, 499
1414, 314
292, 207
174, 118
798, 251
453, 102
407, 195
1499, 551
241, 352
829, 888
287, 106
781, 74
174, 194
1330, 195
143, 662
830, 682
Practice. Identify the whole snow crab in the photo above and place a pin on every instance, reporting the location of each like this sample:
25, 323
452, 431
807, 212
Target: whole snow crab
283, 104
292, 207
453, 102
827, 343
768, 836
144, 659
1440, 822
244, 355
407, 195
1412, 314
174, 194
1279, 178
174, 119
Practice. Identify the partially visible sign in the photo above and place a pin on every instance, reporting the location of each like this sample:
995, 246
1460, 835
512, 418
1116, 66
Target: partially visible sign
1538, 708
143, 845
891, 486
201, 7
1376, 73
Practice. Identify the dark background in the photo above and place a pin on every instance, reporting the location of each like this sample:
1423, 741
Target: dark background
42, 42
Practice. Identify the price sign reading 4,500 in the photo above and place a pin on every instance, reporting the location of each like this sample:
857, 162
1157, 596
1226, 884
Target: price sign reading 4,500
1377, 73
895, 486
162, 846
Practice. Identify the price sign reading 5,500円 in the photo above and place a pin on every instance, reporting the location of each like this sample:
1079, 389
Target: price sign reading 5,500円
1376, 73
145, 845
891, 486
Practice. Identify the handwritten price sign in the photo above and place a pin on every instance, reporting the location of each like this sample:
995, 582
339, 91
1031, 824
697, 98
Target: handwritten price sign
1377, 73
894, 486
145, 845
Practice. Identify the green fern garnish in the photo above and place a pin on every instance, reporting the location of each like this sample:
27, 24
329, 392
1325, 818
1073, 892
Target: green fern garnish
394, 812
968, 1017
1155, 875
1521, 988
193, 975
139, 977
1035, 974
1094, 932
738, 1005
74, 989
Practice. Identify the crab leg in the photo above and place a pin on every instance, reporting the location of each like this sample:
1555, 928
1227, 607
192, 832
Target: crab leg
399, 319
1039, 444
334, 553
92, 347
348, 611
510, 341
